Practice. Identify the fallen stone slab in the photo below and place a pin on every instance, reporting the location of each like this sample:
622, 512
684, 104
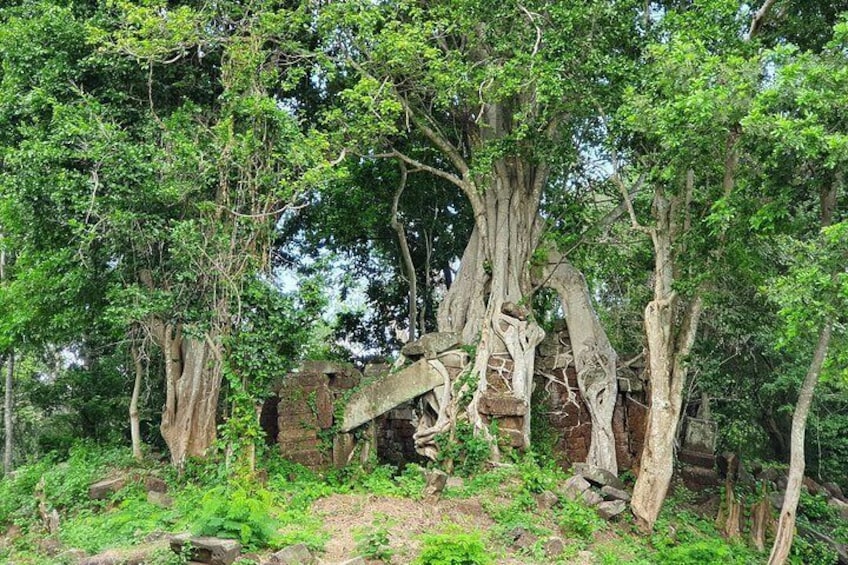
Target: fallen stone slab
575, 486
138, 555
611, 508
214, 551
354, 561
615, 493
106, 488
388, 392
841, 507
297, 554
597, 476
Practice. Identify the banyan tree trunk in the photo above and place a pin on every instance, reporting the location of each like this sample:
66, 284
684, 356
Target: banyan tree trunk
192, 384
488, 304
594, 357
485, 304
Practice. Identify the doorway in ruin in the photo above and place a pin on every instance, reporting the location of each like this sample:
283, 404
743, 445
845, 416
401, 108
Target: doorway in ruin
269, 419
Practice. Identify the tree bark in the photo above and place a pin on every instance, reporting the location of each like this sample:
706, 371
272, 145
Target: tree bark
192, 383
8, 410
485, 304
786, 523
594, 357
669, 343
406, 255
135, 431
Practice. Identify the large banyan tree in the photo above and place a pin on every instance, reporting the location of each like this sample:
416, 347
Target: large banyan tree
506, 95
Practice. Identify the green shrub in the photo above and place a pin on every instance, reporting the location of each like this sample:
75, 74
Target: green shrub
373, 543
239, 513
701, 552
468, 451
454, 547
578, 520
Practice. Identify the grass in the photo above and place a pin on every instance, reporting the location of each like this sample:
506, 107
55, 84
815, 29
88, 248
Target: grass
279, 512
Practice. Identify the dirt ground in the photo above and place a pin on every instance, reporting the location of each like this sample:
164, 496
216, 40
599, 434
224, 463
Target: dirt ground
406, 520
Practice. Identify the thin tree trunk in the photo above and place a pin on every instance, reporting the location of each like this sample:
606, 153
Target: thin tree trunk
669, 343
408, 265
786, 524
8, 407
135, 431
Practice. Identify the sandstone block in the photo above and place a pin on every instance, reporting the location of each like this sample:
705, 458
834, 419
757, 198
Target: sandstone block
214, 551
297, 554
502, 405
104, 489
575, 486
611, 492
611, 508
598, 476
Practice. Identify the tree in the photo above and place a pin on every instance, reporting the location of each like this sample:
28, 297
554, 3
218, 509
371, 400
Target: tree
110, 179
505, 94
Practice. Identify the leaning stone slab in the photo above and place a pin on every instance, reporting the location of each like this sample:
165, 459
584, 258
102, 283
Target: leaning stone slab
611, 508
575, 486
214, 551
615, 493
598, 476
431, 344
106, 488
297, 554
388, 392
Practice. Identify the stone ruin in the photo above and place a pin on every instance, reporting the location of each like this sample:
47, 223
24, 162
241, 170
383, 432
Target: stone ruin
319, 414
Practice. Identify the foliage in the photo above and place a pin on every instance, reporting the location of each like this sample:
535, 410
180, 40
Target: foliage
373, 542
455, 546
238, 512
467, 451
579, 520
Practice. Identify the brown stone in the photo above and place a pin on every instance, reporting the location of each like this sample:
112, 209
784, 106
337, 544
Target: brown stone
297, 554
598, 476
214, 551
343, 446
611, 492
160, 499
155, 484
697, 458
104, 489
436, 482
611, 508
699, 478
592, 498
546, 500
502, 405
313, 459
575, 486
554, 547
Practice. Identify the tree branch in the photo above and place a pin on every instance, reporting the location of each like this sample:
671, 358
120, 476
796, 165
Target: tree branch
759, 18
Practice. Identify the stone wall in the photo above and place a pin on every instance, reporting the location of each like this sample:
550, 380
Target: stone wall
566, 413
